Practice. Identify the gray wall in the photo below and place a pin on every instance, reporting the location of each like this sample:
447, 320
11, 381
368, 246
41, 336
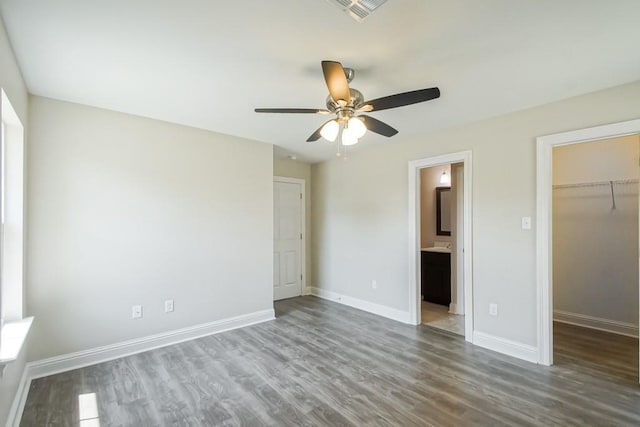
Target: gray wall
360, 218
126, 210
12, 83
595, 248
283, 166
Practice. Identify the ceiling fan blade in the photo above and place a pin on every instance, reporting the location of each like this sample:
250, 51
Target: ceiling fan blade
336, 81
375, 125
292, 110
400, 99
316, 135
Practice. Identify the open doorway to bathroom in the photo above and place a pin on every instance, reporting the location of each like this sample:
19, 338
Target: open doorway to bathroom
446, 241
441, 229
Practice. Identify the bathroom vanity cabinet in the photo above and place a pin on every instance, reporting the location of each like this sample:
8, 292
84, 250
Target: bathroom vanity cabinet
436, 277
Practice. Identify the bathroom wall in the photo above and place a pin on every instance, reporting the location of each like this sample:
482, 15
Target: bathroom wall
429, 181
595, 247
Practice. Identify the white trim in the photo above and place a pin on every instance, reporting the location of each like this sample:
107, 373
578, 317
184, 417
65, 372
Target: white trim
505, 346
544, 255
13, 229
453, 309
458, 306
597, 323
370, 307
20, 399
277, 178
12, 338
414, 234
80, 359
303, 227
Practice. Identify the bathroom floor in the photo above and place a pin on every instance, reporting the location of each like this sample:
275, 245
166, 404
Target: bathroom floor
438, 316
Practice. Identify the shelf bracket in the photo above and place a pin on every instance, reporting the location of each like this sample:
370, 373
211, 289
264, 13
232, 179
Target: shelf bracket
613, 196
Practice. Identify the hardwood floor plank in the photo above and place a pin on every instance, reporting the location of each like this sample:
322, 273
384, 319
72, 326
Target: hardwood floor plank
321, 363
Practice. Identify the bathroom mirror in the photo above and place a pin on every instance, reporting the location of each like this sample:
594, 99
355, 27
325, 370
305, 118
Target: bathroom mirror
443, 211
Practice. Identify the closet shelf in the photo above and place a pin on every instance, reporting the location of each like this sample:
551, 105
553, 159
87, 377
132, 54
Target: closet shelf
597, 184
609, 184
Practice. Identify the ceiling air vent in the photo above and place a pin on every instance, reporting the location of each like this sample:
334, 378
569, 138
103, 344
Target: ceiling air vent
358, 9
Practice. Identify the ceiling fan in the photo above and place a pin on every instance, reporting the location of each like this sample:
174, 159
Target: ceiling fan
348, 104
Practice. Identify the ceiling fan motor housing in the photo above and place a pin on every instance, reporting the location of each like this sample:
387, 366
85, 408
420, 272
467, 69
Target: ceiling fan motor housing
345, 112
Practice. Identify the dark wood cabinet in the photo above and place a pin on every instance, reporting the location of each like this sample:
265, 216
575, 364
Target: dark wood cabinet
436, 277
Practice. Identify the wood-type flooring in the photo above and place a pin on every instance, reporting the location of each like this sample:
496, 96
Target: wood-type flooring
324, 364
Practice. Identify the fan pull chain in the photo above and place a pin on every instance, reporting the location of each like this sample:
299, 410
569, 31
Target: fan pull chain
342, 152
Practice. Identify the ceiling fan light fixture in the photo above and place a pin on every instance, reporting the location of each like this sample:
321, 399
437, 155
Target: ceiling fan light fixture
357, 127
349, 137
330, 130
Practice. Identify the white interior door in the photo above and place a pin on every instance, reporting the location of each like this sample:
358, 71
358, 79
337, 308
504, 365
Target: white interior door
287, 242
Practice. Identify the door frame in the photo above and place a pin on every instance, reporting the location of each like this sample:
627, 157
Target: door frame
544, 210
304, 290
464, 157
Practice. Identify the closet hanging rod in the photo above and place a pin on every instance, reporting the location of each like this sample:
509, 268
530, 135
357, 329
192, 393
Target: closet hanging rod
598, 184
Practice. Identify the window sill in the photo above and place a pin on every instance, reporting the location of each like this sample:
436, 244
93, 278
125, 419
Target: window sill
12, 338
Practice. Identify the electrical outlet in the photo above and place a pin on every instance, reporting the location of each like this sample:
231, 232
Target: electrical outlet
526, 223
374, 284
168, 306
493, 309
136, 312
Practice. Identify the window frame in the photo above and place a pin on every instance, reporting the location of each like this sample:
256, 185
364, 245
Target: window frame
14, 327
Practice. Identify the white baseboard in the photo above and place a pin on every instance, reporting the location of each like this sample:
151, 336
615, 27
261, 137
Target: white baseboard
501, 345
380, 310
68, 362
591, 322
505, 346
15, 413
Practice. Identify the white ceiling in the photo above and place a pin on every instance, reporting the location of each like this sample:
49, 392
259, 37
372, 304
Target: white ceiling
207, 63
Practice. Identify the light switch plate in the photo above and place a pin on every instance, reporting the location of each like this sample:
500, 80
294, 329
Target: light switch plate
136, 312
493, 309
526, 223
168, 306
